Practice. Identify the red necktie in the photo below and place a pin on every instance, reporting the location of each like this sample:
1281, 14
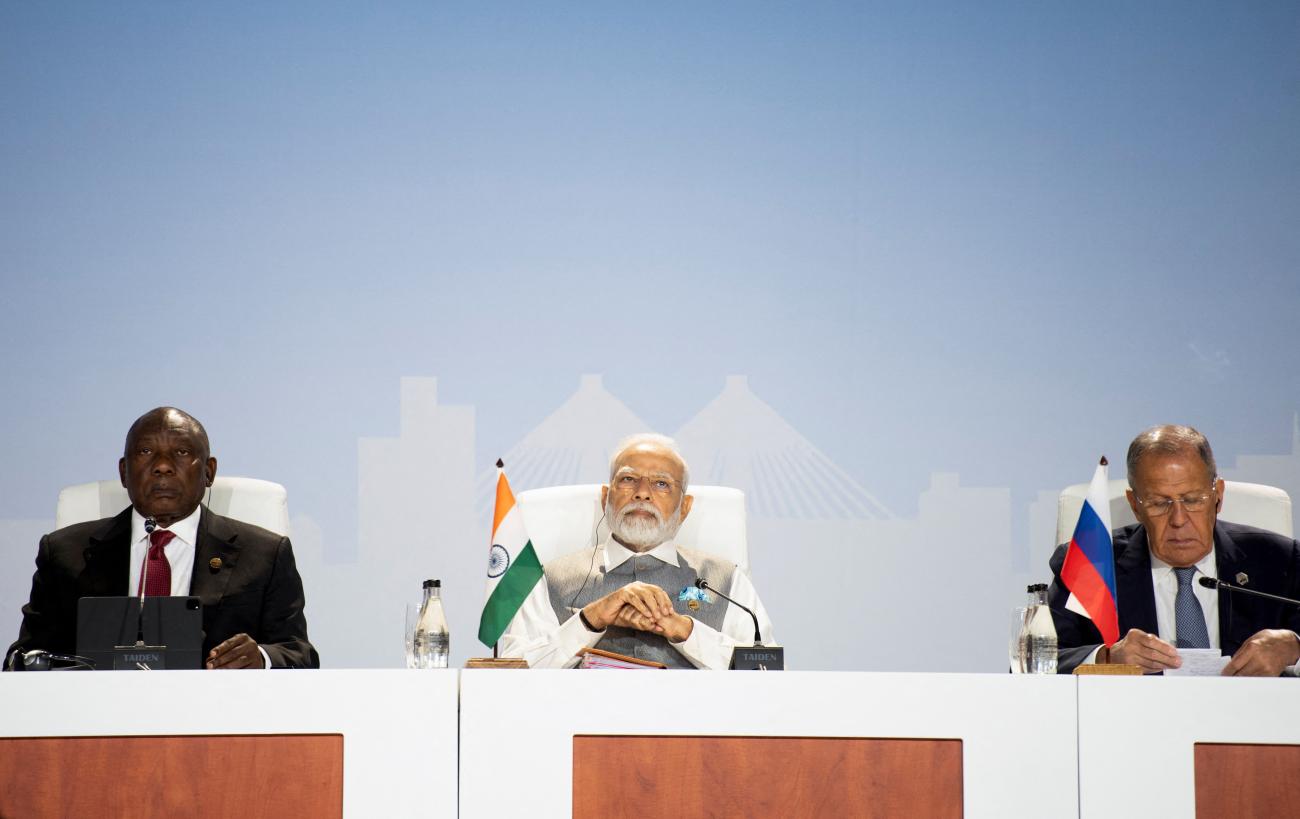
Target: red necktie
158, 570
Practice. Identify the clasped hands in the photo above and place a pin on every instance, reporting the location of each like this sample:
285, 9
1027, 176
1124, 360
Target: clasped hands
1266, 654
640, 606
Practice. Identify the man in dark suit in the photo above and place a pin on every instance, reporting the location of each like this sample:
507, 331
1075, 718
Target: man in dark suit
244, 575
1176, 496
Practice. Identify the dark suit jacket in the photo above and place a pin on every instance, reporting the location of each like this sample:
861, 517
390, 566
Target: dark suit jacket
1271, 562
257, 590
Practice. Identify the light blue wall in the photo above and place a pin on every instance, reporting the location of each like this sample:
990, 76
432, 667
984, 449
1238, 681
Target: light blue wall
993, 240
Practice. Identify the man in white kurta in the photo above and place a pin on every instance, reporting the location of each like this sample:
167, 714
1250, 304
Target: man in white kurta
634, 593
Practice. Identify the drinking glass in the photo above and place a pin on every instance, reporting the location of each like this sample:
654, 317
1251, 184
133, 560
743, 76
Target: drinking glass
412, 618
1018, 615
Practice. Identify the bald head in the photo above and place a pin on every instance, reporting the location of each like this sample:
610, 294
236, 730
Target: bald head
166, 464
167, 417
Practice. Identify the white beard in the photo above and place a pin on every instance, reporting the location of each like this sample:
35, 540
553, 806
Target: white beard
638, 533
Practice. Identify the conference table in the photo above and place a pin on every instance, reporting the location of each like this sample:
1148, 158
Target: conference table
492, 743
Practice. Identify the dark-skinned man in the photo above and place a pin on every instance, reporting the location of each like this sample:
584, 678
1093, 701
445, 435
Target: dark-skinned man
1176, 495
244, 575
628, 595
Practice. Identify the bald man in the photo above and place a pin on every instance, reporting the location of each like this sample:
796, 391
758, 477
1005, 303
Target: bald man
244, 575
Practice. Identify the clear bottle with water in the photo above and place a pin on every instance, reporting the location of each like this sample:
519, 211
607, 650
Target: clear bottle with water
1038, 639
432, 643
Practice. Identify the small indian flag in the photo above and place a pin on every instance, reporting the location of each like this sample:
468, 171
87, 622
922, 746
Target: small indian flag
513, 568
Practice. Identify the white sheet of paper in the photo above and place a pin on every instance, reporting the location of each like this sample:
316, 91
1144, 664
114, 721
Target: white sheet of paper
1199, 662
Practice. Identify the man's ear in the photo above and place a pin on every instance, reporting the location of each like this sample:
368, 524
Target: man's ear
210, 470
1218, 490
121, 470
1132, 503
604, 498
687, 502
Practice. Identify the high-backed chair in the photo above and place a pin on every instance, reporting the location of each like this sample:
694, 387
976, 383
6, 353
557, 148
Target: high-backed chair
1252, 504
261, 503
563, 519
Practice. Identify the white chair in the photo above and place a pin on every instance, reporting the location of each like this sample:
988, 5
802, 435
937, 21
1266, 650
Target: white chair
1252, 504
261, 503
563, 519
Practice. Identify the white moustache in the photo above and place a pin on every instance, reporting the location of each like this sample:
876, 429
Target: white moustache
641, 506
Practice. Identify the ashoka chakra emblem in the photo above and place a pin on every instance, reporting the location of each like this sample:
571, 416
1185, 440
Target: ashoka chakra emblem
498, 561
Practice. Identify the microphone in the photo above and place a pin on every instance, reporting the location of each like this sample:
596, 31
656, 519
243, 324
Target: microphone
702, 584
1213, 583
149, 525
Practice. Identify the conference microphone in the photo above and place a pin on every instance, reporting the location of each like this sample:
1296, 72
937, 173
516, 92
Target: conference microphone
756, 658
702, 584
149, 525
1214, 583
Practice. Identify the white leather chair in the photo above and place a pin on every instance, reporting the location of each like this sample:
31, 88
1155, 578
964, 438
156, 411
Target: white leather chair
1252, 504
563, 519
261, 503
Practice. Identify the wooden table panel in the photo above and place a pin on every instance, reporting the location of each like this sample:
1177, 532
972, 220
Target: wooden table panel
1246, 780
675, 776
243, 776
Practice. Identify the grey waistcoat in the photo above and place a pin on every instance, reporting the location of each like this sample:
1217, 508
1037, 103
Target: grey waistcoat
565, 578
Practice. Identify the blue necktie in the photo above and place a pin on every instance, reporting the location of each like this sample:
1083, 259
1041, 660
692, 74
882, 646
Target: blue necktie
1189, 619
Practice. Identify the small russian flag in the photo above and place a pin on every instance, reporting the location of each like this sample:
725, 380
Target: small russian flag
1089, 570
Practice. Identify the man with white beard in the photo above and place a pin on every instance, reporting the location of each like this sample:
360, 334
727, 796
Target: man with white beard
634, 593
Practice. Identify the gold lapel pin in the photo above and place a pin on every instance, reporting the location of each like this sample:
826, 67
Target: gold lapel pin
214, 563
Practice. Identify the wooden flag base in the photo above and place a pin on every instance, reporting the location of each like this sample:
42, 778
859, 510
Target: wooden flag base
1109, 670
496, 662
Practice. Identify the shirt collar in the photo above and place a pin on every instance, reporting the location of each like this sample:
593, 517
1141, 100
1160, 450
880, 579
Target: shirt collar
616, 554
186, 529
1205, 566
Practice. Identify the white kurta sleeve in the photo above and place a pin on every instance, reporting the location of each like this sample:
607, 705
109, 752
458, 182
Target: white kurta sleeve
710, 648
538, 636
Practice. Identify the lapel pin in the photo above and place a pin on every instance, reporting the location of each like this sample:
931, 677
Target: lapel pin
214, 563
1242, 578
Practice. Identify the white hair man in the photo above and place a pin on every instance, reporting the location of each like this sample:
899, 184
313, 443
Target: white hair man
634, 593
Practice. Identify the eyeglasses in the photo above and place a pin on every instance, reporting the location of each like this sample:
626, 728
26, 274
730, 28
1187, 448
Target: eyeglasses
1159, 507
629, 481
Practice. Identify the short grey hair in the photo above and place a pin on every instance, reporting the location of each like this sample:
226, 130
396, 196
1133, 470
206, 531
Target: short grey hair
653, 439
1170, 439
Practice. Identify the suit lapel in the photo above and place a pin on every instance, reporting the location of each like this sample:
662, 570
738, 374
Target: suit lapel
215, 557
1137, 599
1235, 611
107, 559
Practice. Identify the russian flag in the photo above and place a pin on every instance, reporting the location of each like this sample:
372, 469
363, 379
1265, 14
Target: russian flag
1089, 570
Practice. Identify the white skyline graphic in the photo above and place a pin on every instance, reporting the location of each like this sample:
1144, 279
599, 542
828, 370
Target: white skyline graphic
849, 584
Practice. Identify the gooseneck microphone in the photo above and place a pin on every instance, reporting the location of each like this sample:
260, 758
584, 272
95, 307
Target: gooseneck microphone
702, 584
1214, 583
149, 525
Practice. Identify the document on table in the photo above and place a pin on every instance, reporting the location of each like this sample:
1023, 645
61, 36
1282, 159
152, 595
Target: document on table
1199, 662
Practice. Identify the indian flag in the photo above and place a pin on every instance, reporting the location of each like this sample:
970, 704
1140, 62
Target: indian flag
513, 568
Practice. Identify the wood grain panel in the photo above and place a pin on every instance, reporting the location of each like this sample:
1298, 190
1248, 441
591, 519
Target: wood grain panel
650, 776
1246, 780
239, 776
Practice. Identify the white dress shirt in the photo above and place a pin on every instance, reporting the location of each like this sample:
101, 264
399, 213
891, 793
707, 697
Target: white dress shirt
180, 554
537, 635
1165, 584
